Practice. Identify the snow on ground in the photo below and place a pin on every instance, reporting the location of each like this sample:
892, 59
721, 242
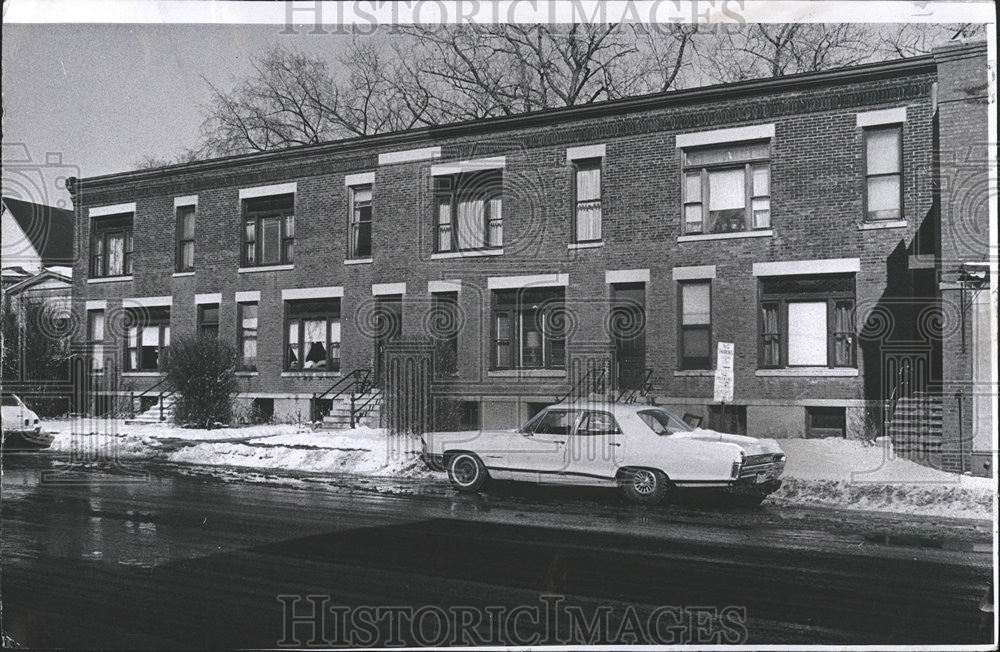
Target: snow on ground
852, 474
829, 472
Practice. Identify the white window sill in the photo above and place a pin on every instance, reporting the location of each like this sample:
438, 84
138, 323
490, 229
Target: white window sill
763, 233
527, 373
310, 374
247, 374
799, 372
180, 274
585, 245
266, 268
357, 261
472, 253
109, 279
695, 372
888, 224
142, 374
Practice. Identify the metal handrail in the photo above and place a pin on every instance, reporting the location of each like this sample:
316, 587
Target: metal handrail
361, 378
146, 391
370, 403
629, 395
596, 383
893, 400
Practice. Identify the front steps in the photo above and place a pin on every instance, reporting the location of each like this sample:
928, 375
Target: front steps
152, 415
915, 426
339, 417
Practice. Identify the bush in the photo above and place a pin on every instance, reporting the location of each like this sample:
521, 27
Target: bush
202, 370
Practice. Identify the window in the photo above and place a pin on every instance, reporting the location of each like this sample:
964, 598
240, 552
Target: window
696, 325
147, 341
807, 321
312, 335
444, 330
587, 186
731, 419
95, 338
527, 329
597, 423
883, 173
727, 189
361, 221
269, 230
185, 238
111, 246
556, 422
469, 211
208, 319
663, 422
247, 335
826, 422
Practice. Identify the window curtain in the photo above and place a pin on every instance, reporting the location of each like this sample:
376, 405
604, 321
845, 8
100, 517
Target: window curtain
471, 234
588, 208
807, 334
496, 222
315, 344
116, 255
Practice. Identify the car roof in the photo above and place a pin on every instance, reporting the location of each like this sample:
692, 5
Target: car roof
618, 409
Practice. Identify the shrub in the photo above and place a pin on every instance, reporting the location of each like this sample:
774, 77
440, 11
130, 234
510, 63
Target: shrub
202, 370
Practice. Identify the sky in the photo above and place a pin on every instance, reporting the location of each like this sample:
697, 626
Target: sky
101, 97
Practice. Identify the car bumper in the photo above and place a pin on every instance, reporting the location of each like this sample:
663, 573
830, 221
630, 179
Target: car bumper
433, 462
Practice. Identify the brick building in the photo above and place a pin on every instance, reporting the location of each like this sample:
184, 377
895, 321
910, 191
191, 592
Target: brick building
795, 217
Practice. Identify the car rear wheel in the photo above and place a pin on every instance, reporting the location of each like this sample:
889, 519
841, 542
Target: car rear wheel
645, 486
466, 472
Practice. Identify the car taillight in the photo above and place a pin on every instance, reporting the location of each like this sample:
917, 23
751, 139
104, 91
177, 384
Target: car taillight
27, 422
736, 468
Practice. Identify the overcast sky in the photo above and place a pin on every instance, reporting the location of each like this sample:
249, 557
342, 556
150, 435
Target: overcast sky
103, 96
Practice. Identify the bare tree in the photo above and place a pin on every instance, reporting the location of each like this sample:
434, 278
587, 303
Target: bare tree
913, 39
774, 50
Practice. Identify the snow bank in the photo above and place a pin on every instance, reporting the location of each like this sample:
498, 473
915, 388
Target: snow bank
360, 451
852, 474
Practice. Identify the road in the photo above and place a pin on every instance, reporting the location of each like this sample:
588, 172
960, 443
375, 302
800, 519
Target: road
179, 559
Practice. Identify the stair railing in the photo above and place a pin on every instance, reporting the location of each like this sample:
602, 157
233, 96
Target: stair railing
146, 392
630, 395
359, 378
593, 380
894, 395
369, 404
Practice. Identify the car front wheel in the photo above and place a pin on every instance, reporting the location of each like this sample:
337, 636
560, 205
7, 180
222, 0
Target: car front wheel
466, 472
645, 486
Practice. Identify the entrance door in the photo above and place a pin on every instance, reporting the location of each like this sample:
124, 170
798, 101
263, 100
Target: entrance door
388, 326
628, 332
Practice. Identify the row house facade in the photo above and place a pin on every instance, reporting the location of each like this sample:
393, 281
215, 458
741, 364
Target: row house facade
797, 218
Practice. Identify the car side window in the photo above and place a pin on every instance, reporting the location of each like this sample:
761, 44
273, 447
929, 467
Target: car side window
598, 423
556, 422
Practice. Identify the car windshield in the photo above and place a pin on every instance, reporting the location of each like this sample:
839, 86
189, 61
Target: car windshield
662, 422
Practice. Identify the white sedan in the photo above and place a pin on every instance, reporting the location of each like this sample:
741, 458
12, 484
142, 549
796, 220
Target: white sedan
646, 450
21, 427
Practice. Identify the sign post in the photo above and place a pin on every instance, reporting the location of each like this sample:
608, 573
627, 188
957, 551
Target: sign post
724, 376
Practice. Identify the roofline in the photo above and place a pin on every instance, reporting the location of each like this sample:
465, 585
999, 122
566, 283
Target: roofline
865, 72
45, 273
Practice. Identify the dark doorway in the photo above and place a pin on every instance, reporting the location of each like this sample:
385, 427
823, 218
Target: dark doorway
388, 327
628, 333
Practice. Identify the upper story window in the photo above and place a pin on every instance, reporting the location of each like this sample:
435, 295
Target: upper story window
185, 238
469, 211
312, 335
528, 329
727, 188
807, 321
269, 230
587, 188
111, 245
361, 221
147, 338
884, 172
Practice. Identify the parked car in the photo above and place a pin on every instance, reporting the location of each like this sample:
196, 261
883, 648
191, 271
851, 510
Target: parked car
21, 426
647, 451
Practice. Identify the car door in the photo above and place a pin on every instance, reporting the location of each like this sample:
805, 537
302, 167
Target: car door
595, 451
538, 452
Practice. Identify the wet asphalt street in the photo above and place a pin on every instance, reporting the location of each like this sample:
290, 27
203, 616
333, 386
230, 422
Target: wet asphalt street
171, 557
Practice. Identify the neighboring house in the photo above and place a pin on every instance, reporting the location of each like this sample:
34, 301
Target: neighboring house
37, 260
795, 217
